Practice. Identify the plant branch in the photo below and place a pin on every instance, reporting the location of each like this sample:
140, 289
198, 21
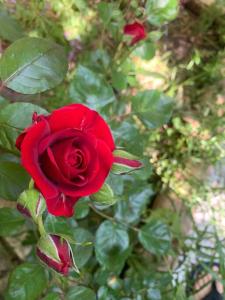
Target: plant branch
103, 215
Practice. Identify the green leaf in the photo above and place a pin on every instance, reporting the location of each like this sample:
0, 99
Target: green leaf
112, 18
146, 50
11, 221
60, 226
52, 296
104, 196
80, 293
3, 102
155, 237
129, 210
154, 294
105, 11
128, 136
161, 11
81, 5
10, 29
145, 172
90, 88
105, 293
83, 248
111, 246
119, 80
117, 183
81, 208
153, 108
42, 65
97, 60
26, 282
13, 179
13, 119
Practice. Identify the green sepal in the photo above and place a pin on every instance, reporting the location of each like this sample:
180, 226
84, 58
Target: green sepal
48, 247
33, 201
104, 196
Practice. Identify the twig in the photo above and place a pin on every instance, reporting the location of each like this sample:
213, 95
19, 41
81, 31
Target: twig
112, 219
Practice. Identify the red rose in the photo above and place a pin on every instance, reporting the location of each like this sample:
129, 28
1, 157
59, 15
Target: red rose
137, 30
68, 154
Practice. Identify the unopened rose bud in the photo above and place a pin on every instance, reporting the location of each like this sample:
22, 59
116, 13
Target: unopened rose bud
23, 210
136, 30
125, 162
56, 253
31, 204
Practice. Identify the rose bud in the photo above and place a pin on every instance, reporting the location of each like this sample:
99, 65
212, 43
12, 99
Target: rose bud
31, 204
68, 155
136, 30
23, 210
125, 162
55, 252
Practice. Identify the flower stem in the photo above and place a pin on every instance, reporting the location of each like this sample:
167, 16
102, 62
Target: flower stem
41, 227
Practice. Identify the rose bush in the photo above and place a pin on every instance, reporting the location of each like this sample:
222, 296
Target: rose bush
104, 51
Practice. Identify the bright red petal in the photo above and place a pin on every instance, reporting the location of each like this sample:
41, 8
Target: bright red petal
81, 117
70, 116
105, 159
61, 206
29, 155
20, 139
63, 250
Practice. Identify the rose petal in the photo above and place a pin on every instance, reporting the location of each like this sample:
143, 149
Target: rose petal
51, 168
105, 161
63, 250
61, 206
81, 117
86, 142
30, 159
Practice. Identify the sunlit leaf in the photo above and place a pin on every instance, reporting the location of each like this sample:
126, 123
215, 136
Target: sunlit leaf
91, 88
161, 11
155, 237
153, 108
42, 65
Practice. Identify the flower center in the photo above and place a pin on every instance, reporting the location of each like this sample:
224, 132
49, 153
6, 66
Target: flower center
75, 158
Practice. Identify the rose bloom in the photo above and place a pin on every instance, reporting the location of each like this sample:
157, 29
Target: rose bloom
68, 154
136, 30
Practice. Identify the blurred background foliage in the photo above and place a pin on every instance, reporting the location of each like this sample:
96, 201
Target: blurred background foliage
169, 216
